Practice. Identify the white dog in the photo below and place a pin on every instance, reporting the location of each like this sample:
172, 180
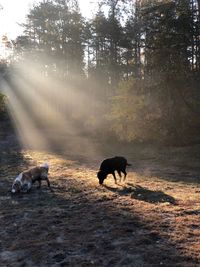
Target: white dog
23, 182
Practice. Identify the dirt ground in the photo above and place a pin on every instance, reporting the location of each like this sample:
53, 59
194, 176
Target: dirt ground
151, 219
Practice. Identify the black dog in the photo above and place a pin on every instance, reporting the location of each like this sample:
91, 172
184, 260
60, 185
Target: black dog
109, 166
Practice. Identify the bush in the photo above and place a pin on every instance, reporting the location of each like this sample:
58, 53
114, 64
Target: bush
135, 116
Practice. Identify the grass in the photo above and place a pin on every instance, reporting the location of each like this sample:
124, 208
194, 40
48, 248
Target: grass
150, 220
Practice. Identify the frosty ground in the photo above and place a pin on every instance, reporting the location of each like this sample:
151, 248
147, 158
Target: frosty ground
151, 219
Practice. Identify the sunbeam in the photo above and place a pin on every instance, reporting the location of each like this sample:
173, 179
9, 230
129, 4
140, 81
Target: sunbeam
49, 114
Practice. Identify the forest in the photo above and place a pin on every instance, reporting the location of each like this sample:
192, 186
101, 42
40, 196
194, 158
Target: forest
76, 91
135, 64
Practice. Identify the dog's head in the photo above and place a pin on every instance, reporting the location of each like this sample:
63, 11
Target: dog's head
101, 176
16, 187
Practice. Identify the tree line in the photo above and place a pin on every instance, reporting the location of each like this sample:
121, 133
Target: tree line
140, 59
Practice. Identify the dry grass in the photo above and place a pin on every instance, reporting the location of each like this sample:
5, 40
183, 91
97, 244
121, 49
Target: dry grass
151, 220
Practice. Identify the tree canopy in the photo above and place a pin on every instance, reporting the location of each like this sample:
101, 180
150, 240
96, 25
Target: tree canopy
141, 59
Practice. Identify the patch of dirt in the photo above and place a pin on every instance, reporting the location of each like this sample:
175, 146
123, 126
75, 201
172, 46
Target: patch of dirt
149, 220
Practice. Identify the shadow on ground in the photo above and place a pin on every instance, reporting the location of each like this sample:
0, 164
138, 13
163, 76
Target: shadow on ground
142, 193
80, 225
77, 225
78, 229
12, 160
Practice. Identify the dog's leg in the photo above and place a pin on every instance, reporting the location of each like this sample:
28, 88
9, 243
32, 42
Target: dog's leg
125, 173
113, 173
120, 175
48, 183
39, 184
24, 188
28, 191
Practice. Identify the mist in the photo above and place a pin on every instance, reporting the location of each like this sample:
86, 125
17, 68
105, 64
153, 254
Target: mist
50, 114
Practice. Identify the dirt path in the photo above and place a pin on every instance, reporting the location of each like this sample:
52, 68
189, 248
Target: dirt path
151, 220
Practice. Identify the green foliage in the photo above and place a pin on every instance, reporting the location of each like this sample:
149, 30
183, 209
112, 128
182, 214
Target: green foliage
132, 115
54, 32
148, 64
136, 116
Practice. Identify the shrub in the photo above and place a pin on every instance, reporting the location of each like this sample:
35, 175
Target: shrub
134, 115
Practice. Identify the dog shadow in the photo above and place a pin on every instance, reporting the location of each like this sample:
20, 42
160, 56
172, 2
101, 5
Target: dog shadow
144, 194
